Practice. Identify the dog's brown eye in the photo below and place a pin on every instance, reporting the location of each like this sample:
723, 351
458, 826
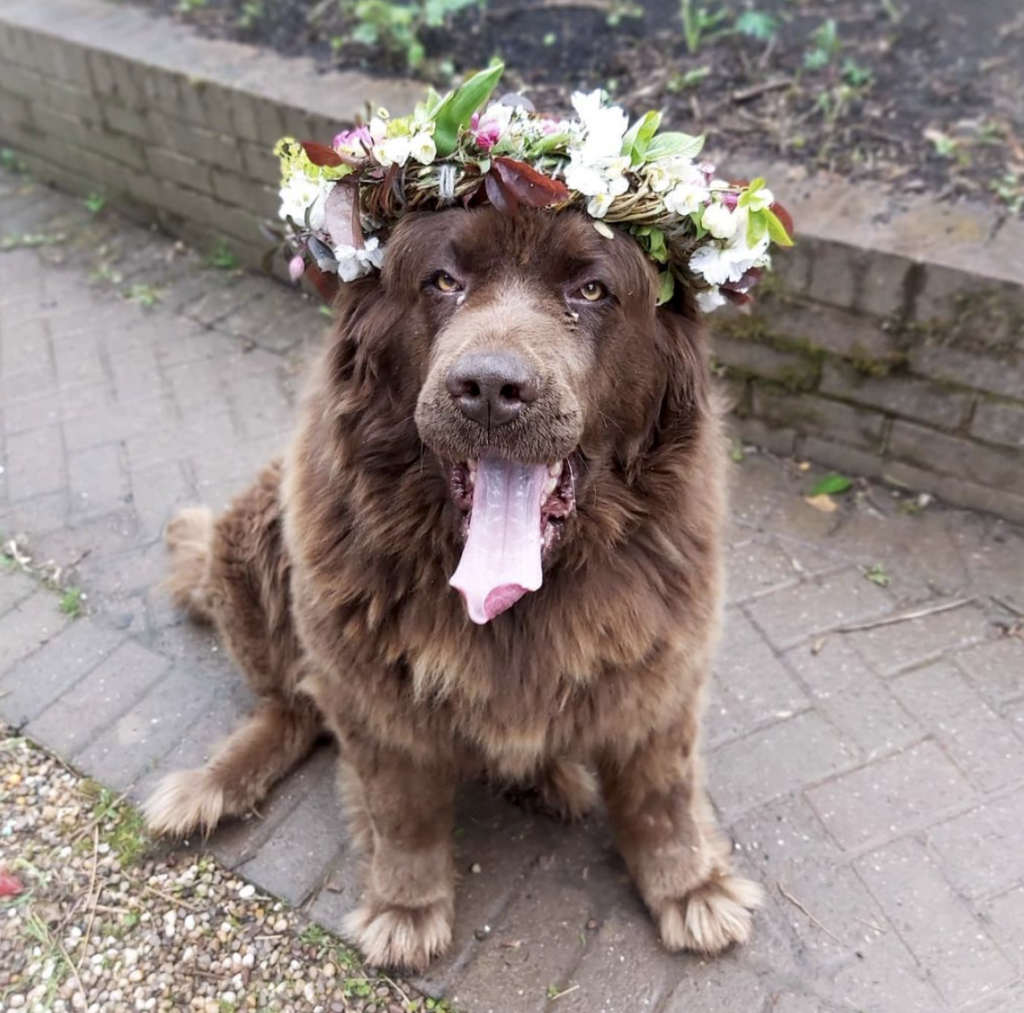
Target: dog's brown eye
593, 291
444, 282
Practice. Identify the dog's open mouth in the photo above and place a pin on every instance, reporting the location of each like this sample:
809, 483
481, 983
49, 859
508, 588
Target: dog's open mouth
514, 514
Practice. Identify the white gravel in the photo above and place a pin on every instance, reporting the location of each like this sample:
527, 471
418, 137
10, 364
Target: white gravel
108, 925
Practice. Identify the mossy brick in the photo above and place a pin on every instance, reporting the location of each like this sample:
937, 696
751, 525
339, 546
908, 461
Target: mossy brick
827, 329
101, 70
752, 357
178, 168
898, 395
58, 58
88, 135
13, 109
190, 205
957, 457
196, 142
835, 272
761, 434
254, 117
832, 453
810, 414
21, 81
972, 307
973, 496
995, 422
1002, 374
260, 162
122, 120
885, 287
259, 200
791, 268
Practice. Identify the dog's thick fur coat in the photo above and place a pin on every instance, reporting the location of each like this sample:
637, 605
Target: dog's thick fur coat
328, 579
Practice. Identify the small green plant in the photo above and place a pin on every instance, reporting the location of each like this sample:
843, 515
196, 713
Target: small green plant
1009, 188
9, 160
550, 38
688, 79
252, 13
619, 10
825, 46
188, 6
105, 273
736, 451
397, 28
701, 25
314, 935
72, 602
856, 75
95, 203
145, 295
760, 25
29, 240
877, 575
221, 257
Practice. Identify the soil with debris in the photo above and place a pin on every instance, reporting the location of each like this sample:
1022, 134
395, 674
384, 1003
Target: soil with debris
92, 917
923, 95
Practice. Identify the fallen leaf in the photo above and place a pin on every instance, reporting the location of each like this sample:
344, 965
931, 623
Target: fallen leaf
818, 645
823, 502
10, 885
804, 465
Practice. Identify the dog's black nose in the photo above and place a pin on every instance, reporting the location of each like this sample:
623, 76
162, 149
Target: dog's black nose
492, 387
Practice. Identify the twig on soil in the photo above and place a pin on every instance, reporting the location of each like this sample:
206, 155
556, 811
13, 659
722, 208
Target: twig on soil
170, 898
754, 91
558, 995
93, 897
1003, 603
405, 999
903, 617
872, 925
814, 921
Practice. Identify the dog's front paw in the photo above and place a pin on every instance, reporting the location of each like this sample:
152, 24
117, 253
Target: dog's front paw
185, 802
711, 917
390, 935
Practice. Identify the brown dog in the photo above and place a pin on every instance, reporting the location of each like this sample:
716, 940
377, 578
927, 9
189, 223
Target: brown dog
504, 404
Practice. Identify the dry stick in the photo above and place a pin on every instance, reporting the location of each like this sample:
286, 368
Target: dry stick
394, 984
905, 616
170, 898
74, 970
814, 921
746, 94
1009, 606
92, 898
871, 925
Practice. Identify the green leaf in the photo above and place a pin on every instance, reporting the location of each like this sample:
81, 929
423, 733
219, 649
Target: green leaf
672, 145
656, 246
638, 137
776, 230
752, 188
458, 108
550, 142
758, 25
831, 484
757, 226
666, 287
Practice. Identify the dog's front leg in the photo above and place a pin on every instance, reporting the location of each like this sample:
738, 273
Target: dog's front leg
669, 839
401, 814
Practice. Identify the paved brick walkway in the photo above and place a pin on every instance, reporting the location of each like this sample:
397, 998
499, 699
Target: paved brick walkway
873, 780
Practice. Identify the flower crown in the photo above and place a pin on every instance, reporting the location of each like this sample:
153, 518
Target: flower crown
706, 233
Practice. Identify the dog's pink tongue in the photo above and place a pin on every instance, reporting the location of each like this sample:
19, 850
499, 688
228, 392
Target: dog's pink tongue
501, 560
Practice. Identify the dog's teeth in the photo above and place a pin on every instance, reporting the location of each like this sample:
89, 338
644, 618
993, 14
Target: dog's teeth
556, 469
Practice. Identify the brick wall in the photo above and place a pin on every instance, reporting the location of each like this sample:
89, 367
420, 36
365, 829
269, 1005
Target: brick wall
889, 342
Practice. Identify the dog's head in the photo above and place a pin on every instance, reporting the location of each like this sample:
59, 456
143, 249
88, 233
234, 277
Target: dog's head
537, 359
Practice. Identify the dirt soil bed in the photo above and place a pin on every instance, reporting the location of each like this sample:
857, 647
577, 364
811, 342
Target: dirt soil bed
923, 95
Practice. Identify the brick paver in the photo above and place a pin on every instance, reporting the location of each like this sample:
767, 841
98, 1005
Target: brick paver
873, 780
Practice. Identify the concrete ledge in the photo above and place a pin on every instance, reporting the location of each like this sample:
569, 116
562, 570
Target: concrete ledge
890, 342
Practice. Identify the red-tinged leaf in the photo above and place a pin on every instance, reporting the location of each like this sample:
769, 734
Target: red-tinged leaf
320, 154
10, 885
529, 186
342, 214
785, 217
326, 284
501, 198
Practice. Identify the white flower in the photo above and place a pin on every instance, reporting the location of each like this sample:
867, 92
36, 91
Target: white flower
606, 175
392, 151
300, 193
603, 126
720, 221
598, 205
354, 262
719, 263
422, 148
685, 198
710, 299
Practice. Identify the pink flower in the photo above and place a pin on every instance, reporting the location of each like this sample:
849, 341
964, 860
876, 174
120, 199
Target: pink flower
488, 128
296, 266
353, 142
548, 126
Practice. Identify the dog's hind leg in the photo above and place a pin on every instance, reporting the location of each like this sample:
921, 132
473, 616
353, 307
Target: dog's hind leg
190, 539
274, 739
